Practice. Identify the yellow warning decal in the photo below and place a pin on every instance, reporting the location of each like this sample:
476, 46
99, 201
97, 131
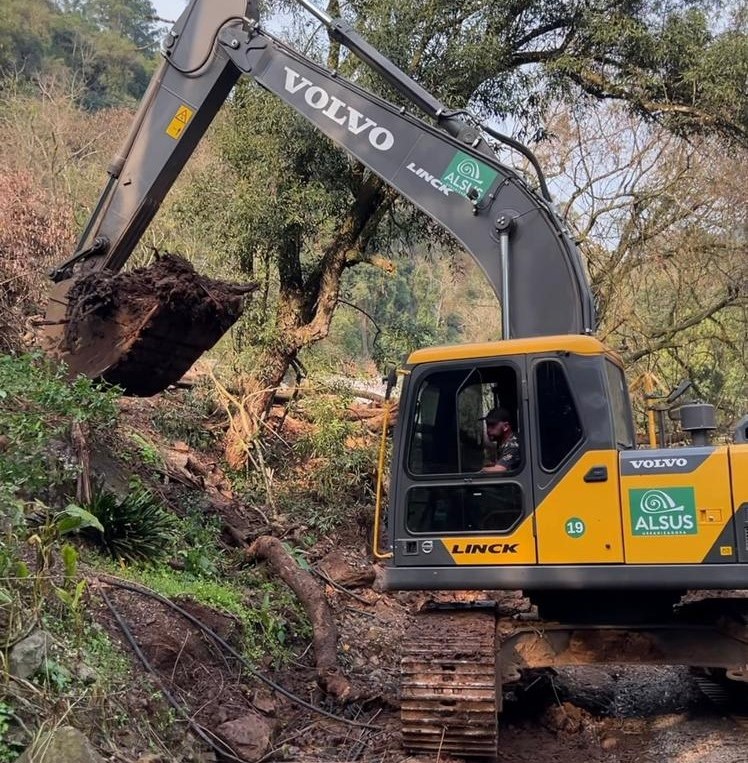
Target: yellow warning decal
180, 121
725, 550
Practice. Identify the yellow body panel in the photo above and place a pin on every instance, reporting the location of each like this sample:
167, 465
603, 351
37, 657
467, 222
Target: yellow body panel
713, 510
580, 522
581, 345
517, 547
739, 478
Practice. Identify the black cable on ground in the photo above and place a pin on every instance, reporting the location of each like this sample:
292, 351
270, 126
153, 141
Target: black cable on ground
196, 729
143, 591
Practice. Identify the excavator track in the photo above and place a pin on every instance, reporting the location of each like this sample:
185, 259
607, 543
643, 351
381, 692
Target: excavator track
729, 697
449, 686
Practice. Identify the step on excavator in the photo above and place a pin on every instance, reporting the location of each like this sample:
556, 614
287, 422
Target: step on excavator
628, 555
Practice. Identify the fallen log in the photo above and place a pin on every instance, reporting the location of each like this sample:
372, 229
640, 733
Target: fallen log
325, 640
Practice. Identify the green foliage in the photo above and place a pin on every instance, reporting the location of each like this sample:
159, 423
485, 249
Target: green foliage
102, 43
688, 68
186, 418
198, 544
71, 592
54, 676
70, 563
148, 453
9, 750
341, 464
105, 656
37, 407
130, 19
15, 587
421, 303
73, 519
135, 527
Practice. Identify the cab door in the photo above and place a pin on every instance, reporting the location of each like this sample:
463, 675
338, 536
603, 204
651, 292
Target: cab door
574, 461
448, 510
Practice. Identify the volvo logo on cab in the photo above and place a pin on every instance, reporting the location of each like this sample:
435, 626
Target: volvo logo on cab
658, 463
338, 111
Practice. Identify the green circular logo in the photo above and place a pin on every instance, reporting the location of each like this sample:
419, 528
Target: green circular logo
575, 527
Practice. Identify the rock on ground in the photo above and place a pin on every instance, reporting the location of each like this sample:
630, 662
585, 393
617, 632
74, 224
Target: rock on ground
249, 736
63, 745
27, 656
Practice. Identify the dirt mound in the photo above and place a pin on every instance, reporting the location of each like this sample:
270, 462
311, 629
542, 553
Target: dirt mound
144, 328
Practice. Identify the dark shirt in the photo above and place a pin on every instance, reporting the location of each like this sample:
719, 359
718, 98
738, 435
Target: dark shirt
508, 453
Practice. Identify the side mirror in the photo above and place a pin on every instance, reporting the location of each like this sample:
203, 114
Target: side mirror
681, 389
391, 381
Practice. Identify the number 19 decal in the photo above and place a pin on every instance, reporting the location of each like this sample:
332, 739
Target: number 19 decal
575, 527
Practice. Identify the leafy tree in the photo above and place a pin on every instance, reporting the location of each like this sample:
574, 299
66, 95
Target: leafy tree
131, 19
305, 213
25, 37
106, 57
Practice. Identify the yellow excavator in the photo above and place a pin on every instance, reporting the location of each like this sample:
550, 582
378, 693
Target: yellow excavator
605, 539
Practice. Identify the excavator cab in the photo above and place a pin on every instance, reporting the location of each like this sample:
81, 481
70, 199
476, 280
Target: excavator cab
583, 509
569, 411
604, 539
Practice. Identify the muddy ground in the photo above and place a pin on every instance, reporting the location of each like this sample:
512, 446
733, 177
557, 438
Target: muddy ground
614, 714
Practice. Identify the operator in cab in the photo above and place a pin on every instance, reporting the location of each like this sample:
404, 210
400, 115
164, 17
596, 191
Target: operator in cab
499, 431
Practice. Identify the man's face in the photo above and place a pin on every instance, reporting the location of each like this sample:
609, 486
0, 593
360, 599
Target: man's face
495, 429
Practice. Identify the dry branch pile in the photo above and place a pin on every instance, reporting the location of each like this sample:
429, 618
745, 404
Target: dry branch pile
35, 232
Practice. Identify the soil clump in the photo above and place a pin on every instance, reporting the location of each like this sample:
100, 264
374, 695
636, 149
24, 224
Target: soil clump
143, 329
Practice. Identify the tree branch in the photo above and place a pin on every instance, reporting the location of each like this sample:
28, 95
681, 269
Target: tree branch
596, 84
666, 335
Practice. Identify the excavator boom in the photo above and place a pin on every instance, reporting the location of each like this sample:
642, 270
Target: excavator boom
447, 169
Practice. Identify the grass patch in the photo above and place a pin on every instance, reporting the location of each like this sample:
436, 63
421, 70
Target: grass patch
186, 419
270, 616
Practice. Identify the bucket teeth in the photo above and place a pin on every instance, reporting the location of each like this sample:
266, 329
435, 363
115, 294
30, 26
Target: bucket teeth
449, 685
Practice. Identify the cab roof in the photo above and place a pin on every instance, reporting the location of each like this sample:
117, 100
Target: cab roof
577, 344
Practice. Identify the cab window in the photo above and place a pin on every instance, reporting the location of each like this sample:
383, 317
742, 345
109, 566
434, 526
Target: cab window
560, 429
623, 426
464, 508
448, 440
448, 432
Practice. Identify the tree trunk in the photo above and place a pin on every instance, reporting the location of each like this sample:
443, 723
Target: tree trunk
311, 596
306, 307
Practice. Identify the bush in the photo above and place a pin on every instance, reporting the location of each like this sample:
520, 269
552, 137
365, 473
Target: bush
136, 527
38, 405
186, 418
340, 466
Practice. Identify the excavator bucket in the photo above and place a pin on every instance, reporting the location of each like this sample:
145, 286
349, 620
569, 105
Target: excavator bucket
143, 329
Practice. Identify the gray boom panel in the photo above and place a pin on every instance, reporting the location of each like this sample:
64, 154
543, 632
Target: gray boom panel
448, 171
549, 290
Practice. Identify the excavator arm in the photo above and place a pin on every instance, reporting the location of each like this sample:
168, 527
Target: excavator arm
447, 169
